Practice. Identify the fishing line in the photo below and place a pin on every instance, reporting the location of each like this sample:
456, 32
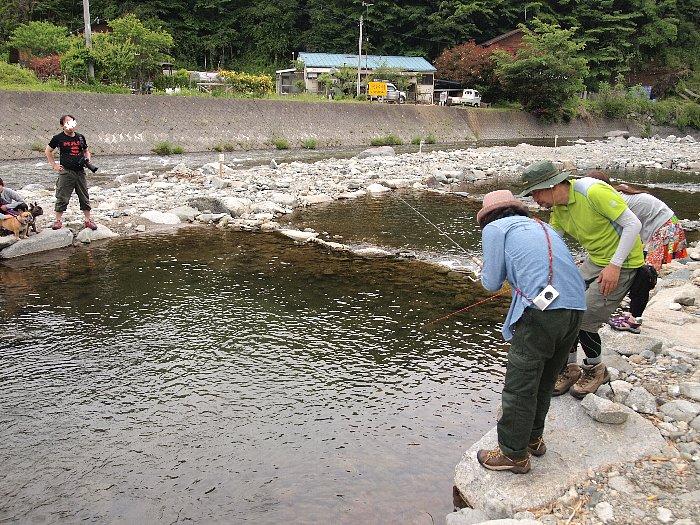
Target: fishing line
490, 298
469, 256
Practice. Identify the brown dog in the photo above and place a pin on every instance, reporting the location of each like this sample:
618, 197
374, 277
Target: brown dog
18, 225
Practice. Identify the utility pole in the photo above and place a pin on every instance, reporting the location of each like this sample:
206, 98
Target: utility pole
359, 49
359, 55
88, 36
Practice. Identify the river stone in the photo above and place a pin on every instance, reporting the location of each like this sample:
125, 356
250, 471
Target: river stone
640, 400
603, 410
377, 188
86, 235
680, 410
465, 516
212, 204
382, 151
128, 178
622, 484
45, 240
7, 240
396, 184
690, 389
685, 296
298, 235
575, 444
284, 199
371, 252
185, 213
159, 217
626, 343
604, 511
310, 200
266, 207
621, 390
234, 206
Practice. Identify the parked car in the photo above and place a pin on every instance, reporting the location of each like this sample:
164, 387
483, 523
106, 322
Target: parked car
393, 95
468, 97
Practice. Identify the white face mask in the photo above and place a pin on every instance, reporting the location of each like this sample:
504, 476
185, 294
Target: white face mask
70, 124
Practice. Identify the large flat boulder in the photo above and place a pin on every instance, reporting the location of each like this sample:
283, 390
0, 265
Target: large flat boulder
45, 240
86, 235
575, 443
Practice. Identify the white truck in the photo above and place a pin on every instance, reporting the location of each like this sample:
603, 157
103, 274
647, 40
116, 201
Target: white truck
468, 97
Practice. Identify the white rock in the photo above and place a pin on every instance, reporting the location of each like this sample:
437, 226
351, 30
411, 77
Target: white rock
129, 178
675, 307
266, 207
285, 199
664, 515
621, 390
310, 200
377, 188
621, 484
236, 206
398, 183
86, 235
382, 151
603, 410
371, 252
685, 296
298, 235
140, 228
185, 213
576, 444
690, 389
640, 400
159, 217
45, 240
680, 410
604, 511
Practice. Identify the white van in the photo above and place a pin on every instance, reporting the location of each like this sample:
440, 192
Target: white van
468, 97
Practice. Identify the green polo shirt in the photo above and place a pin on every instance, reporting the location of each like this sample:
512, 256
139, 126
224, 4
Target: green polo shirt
588, 217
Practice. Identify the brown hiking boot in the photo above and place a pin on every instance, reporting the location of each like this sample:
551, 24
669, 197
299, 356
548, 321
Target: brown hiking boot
592, 377
497, 460
566, 379
536, 447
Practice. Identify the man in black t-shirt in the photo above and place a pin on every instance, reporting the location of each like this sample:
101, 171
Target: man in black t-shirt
73, 148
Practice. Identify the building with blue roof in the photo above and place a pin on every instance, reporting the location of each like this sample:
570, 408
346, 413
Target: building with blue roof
419, 72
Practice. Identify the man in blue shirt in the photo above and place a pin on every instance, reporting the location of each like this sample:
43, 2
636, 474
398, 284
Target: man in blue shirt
530, 256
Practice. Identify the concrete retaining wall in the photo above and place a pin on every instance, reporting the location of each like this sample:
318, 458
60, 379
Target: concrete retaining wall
130, 124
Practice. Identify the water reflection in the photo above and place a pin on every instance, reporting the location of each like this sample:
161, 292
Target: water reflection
224, 377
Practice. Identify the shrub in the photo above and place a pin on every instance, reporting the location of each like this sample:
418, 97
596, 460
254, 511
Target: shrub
37, 145
167, 148
179, 78
74, 63
40, 38
247, 84
224, 146
46, 67
430, 139
13, 74
387, 140
416, 140
281, 143
309, 143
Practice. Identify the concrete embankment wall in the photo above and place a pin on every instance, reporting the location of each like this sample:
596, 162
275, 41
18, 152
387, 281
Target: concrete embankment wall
131, 124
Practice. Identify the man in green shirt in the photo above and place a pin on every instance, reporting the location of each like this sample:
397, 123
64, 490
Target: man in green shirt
594, 214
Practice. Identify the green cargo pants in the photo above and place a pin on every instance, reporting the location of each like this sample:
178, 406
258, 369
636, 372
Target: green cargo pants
538, 351
69, 180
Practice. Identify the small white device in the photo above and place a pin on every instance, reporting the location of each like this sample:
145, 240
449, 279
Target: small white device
221, 157
545, 297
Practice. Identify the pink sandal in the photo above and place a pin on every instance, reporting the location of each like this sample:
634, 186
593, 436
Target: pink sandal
57, 225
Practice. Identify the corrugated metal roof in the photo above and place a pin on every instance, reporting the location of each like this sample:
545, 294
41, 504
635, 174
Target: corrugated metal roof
417, 64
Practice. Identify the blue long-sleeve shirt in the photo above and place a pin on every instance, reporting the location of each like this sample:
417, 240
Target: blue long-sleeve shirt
515, 249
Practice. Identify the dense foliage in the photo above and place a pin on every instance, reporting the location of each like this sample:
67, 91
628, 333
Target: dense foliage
250, 35
546, 74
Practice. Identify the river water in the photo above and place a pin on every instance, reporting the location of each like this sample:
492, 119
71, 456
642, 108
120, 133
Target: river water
220, 377
225, 377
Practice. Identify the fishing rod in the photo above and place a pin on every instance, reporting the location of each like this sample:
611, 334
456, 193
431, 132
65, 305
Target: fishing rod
476, 261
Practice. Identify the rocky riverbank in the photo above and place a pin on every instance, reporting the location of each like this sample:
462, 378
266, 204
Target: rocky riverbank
252, 199
631, 453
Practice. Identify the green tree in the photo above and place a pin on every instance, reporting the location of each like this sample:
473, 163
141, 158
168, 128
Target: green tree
469, 64
40, 38
547, 73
